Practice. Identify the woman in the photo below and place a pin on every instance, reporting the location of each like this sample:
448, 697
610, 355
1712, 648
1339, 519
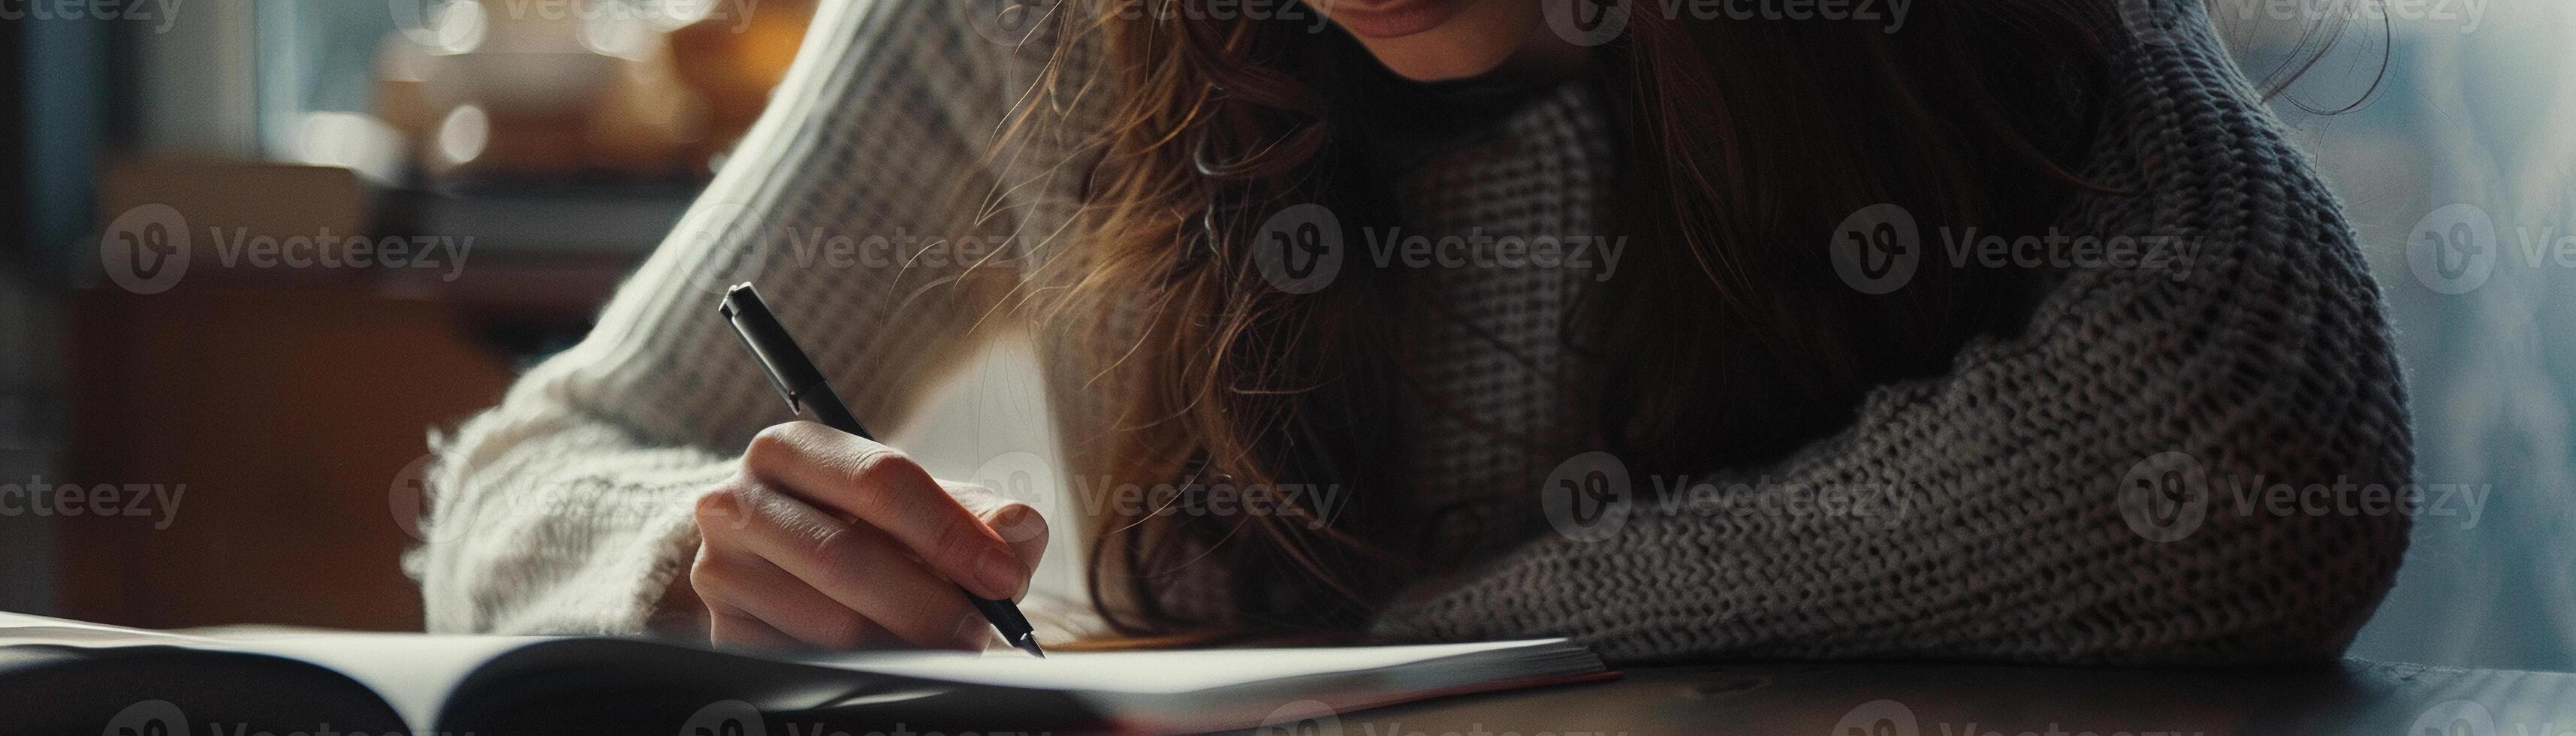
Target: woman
1851, 368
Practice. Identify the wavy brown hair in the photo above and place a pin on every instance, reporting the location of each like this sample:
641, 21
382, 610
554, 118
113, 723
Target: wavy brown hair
1740, 146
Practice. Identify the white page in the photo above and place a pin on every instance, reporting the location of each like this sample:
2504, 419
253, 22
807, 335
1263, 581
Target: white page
413, 672
20, 628
1153, 672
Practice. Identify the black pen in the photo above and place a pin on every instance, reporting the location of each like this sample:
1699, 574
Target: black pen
808, 394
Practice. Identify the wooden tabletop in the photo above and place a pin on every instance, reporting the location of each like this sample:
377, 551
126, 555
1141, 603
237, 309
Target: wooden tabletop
2356, 697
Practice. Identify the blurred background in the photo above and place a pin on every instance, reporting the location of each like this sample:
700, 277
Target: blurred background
334, 225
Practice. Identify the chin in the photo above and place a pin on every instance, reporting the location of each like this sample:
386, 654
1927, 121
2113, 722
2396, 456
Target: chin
1436, 40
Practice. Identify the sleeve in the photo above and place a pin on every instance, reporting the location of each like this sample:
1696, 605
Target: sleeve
2193, 466
873, 209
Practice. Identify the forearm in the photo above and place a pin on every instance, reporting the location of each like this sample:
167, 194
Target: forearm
2001, 517
546, 523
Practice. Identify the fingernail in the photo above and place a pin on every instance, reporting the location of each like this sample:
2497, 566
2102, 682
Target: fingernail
1000, 572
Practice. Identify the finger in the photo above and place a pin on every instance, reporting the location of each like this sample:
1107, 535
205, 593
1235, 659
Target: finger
745, 582
856, 565
881, 487
730, 627
1014, 521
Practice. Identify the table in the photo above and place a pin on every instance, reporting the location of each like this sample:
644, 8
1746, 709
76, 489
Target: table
2356, 697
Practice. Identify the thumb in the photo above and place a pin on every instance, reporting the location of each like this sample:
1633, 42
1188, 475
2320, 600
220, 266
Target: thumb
1016, 522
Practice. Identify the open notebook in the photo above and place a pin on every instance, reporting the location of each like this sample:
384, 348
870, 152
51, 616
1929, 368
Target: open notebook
89, 678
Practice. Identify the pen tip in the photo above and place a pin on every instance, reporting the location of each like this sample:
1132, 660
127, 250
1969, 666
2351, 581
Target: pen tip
1029, 643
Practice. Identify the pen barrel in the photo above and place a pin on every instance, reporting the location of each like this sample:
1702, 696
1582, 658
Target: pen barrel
1004, 614
826, 407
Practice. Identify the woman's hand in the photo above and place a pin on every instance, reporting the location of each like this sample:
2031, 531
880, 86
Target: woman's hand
827, 540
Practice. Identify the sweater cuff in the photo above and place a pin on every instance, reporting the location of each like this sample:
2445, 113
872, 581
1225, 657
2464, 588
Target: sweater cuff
619, 594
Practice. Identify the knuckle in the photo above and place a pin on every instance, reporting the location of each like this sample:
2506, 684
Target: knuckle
723, 504
710, 578
835, 544
877, 467
776, 443
881, 463
841, 560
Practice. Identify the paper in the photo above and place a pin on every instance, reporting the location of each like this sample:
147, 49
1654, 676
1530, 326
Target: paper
1151, 672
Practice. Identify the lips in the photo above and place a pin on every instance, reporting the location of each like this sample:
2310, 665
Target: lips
1386, 18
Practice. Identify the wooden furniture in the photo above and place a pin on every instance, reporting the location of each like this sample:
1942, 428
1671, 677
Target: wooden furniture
288, 413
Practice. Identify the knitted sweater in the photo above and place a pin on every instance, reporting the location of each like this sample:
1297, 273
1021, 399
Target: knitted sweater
2092, 489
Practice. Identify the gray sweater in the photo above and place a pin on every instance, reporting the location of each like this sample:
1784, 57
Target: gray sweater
2107, 486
